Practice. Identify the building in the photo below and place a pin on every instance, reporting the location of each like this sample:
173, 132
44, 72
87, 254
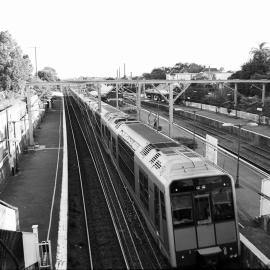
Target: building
181, 76
206, 74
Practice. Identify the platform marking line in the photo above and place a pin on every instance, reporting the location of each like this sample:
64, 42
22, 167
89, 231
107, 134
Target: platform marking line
255, 250
242, 226
56, 176
61, 253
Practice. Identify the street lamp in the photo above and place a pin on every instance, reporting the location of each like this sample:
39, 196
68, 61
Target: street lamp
194, 120
158, 117
238, 147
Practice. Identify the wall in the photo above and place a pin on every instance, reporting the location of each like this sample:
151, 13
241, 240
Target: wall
245, 115
14, 126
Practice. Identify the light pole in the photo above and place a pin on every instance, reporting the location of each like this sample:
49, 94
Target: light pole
194, 120
238, 145
35, 60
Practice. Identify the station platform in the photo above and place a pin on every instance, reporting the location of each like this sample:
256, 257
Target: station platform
260, 129
36, 188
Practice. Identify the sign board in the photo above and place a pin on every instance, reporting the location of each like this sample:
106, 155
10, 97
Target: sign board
8, 217
264, 201
29, 248
211, 148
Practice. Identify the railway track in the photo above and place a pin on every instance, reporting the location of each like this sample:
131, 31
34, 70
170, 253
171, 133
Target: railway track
102, 242
117, 237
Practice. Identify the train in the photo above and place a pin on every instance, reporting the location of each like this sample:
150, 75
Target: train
188, 203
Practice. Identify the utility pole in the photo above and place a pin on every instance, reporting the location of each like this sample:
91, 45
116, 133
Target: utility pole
35, 60
170, 111
139, 101
116, 92
194, 127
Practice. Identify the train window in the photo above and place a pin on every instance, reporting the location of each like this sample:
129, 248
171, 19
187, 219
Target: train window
97, 123
144, 195
202, 206
114, 146
107, 135
182, 209
126, 161
127, 172
222, 204
126, 153
162, 204
156, 206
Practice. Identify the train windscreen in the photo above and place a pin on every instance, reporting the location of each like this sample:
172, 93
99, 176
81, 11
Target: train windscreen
201, 200
182, 209
222, 204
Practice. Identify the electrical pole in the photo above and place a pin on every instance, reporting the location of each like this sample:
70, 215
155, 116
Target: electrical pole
35, 60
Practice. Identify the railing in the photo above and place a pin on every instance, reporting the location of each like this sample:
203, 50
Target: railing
45, 255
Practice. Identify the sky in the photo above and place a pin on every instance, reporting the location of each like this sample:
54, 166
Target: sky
96, 37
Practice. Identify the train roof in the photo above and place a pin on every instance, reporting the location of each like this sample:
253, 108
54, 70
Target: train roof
163, 156
151, 135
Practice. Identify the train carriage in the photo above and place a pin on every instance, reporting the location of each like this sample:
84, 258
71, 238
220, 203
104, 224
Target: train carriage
187, 202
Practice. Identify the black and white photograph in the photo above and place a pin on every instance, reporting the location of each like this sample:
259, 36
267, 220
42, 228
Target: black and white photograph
134, 134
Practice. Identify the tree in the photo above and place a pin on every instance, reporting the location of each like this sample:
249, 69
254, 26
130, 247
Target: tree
15, 68
156, 74
48, 74
258, 67
261, 54
194, 68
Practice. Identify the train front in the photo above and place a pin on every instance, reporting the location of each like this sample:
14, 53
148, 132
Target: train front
204, 220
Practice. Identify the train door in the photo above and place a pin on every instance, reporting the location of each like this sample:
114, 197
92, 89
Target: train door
205, 227
113, 147
156, 209
164, 220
